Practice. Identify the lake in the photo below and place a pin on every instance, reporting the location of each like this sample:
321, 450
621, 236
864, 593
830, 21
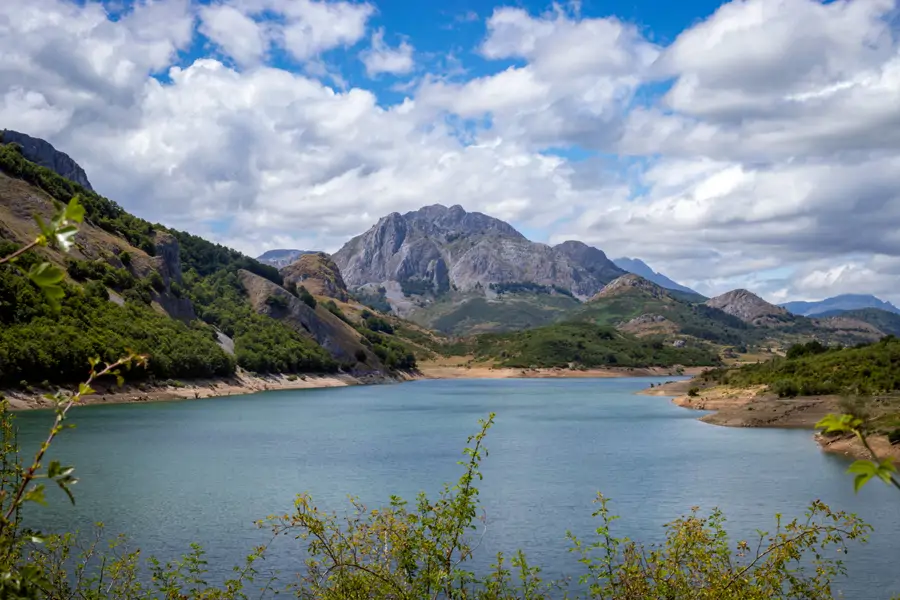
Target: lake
168, 474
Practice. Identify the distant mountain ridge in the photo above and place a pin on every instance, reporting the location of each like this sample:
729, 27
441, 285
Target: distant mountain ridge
843, 302
42, 152
639, 267
281, 257
436, 249
749, 308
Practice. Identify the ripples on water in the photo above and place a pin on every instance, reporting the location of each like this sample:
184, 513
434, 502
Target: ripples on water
173, 473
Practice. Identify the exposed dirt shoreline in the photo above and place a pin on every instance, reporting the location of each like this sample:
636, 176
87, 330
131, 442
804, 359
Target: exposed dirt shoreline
244, 383
753, 407
241, 383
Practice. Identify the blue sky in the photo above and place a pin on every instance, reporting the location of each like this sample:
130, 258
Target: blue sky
727, 144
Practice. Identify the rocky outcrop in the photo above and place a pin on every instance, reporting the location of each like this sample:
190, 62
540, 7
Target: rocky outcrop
44, 154
335, 336
318, 274
627, 284
168, 257
435, 249
750, 308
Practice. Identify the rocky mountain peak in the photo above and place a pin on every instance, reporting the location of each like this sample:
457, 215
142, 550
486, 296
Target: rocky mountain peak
749, 307
630, 283
438, 248
318, 274
44, 154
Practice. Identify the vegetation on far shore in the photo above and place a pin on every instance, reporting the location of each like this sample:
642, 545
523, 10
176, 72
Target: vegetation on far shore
582, 344
816, 369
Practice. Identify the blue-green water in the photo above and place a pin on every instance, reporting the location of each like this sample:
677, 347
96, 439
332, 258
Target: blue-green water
202, 471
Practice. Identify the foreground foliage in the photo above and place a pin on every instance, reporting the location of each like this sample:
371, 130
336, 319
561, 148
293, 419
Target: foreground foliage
424, 550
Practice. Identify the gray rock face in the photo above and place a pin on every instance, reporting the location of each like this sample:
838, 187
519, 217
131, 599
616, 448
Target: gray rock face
337, 338
44, 154
448, 247
168, 257
629, 283
749, 307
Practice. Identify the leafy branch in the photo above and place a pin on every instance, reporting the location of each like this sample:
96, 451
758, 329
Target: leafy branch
61, 475
58, 233
865, 470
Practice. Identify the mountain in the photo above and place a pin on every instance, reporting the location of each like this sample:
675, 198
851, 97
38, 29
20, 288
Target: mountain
318, 274
638, 306
639, 267
842, 302
750, 308
466, 272
280, 257
435, 250
43, 153
885, 322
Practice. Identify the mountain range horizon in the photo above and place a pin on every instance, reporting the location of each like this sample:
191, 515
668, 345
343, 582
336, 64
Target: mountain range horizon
44, 153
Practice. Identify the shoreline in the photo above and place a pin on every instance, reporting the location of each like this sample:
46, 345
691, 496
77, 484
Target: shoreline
754, 407
241, 383
244, 383
437, 371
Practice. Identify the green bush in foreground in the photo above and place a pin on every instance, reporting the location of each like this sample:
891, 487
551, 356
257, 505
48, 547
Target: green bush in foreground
422, 549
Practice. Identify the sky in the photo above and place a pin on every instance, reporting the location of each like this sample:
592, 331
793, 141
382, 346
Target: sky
750, 144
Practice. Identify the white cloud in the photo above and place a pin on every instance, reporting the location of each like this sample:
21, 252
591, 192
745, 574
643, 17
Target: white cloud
772, 162
237, 34
381, 58
314, 27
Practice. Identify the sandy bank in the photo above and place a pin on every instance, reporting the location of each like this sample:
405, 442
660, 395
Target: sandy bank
242, 383
437, 371
754, 407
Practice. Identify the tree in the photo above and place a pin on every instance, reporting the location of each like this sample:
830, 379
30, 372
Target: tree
306, 297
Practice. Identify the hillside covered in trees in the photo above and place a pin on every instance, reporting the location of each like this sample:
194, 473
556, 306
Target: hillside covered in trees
814, 368
135, 285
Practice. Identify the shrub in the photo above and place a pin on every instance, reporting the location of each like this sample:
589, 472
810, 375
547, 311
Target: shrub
277, 301
786, 388
292, 377
334, 309
894, 437
360, 355
306, 297
693, 392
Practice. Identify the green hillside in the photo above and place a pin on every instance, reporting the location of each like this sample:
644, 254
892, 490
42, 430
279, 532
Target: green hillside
123, 290
585, 345
456, 314
696, 320
815, 369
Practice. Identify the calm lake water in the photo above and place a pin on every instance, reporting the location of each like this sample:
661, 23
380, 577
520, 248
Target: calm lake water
169, 474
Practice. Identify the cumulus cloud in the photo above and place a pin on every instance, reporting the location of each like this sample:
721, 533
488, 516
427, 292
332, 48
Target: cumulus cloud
237, 34
760, 149
381, 58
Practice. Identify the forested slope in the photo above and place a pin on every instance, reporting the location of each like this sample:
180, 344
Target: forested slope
132, 284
